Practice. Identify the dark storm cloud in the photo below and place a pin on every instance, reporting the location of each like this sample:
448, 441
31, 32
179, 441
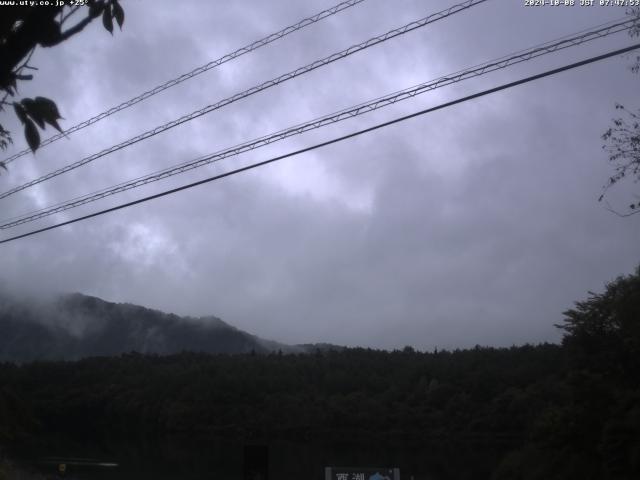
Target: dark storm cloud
475, 224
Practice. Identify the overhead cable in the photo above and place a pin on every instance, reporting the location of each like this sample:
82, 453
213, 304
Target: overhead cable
263, 86
332, 141
487, 67
196, 71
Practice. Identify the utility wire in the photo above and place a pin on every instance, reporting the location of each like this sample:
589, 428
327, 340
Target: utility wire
600, 32
503, 62
332, 141
197, 71
493, 65
263, 86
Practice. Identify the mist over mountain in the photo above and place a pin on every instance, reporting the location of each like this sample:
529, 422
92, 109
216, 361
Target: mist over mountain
74, 326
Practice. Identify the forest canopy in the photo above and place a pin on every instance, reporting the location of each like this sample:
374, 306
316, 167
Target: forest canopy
568, 411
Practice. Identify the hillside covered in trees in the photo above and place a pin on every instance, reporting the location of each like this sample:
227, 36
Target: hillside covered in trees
75, 326
568, 411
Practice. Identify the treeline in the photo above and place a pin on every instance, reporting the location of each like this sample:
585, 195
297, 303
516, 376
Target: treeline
552, 411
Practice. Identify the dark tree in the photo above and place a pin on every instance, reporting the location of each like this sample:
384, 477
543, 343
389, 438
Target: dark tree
22, 30
605, 329
623, 138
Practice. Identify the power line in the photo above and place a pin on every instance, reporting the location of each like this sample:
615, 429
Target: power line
196, 71
503, 62
332, 141
263, 86
487, 67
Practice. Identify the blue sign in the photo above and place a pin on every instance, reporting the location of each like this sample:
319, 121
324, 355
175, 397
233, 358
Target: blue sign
361, 473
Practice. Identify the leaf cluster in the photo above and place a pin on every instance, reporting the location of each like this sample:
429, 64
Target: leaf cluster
622, 139
22, 30
623, 148
604, 330
36, 111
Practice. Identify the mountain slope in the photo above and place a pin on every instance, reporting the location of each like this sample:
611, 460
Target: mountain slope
75, 326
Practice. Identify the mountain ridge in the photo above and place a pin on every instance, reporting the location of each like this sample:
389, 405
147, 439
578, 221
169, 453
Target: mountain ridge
74, 326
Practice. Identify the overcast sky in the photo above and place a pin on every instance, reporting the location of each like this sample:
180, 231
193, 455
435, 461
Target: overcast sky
477, 224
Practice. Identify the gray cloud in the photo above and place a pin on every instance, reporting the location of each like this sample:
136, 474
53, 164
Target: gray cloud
475, 224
